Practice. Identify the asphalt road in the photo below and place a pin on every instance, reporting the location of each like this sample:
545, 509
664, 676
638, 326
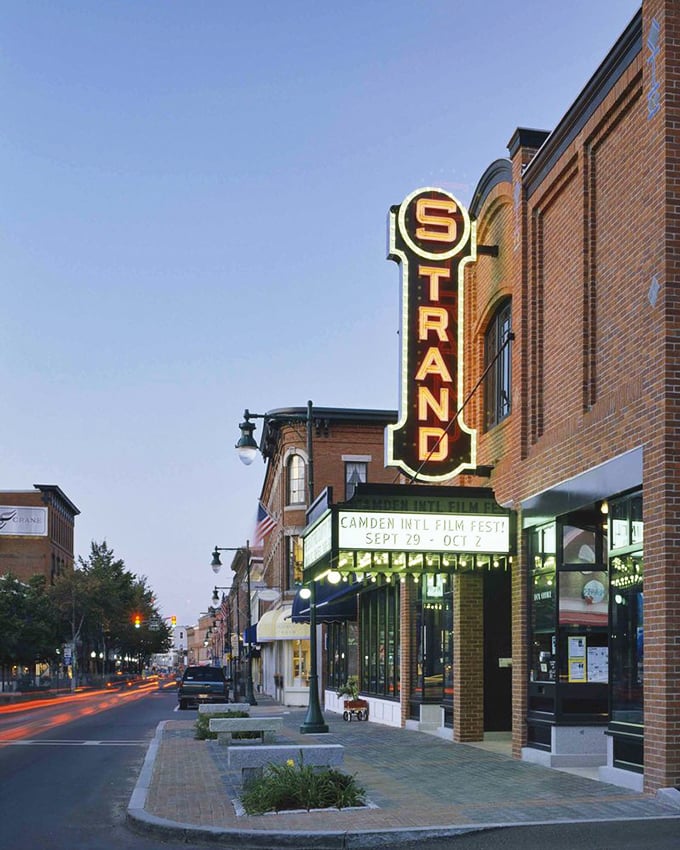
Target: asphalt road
618, 835
68, 771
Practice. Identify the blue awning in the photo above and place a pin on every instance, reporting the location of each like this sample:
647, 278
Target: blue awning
334, 603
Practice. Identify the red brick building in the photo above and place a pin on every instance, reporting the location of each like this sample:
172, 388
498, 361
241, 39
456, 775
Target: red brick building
580, 427
564, 629
36, 532
307, 451
564, 296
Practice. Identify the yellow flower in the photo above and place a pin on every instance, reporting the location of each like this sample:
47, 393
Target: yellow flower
290, 763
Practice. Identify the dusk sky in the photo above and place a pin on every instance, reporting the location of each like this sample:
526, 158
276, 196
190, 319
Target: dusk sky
193, 220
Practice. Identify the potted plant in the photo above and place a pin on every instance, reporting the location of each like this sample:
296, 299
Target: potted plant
353, 706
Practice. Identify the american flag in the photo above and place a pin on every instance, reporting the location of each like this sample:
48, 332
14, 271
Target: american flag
264, 524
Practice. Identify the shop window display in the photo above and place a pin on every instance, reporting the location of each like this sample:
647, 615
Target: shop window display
569, 617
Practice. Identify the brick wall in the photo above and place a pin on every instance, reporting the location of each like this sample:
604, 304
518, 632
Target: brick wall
48, 556
596, 362
468, 657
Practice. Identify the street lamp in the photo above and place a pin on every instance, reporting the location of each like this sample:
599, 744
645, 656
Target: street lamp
247, 449
216, 564
216, 596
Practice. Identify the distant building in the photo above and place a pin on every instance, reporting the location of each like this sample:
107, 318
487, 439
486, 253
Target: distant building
347, 448
36, 532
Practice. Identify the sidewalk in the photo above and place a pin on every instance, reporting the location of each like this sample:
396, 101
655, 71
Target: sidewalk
418, 785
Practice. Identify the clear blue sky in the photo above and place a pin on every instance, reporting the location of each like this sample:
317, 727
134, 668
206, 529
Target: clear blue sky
193, 221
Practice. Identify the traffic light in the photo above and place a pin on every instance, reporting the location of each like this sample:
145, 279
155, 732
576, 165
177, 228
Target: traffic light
138, 621
173, 620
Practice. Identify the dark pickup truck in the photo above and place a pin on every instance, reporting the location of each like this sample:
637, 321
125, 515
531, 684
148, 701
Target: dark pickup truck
202, 684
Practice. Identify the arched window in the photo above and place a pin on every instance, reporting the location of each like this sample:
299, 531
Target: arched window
497, 386
296, 480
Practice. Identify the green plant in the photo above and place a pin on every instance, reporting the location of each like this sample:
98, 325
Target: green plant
300, 786
349, 689
203, 723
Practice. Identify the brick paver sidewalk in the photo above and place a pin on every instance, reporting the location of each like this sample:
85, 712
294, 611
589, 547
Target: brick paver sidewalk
414, 780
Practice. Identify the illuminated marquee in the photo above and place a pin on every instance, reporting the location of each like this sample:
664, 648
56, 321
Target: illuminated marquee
408, 532
432, 238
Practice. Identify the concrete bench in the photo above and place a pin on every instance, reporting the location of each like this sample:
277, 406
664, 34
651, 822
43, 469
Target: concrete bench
225, 727
220, 707
251, 760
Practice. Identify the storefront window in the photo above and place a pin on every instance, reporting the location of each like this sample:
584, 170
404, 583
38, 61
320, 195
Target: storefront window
582, 616
627, 649
341, 653
294, 561
569, 616
300, 663
379, 617
543, 598
626, 574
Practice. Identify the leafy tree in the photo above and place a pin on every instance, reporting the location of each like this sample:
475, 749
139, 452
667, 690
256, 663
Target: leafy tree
12, 593
29, 629
98, 603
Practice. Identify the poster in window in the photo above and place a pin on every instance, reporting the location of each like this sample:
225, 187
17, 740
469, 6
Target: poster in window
577, 670
598, 664
576, 658
584, 598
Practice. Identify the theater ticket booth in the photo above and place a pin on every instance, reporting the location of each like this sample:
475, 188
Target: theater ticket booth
431, 567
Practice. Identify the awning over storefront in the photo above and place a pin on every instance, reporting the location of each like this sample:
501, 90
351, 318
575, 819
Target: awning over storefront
334, 603
277, 625
250, 634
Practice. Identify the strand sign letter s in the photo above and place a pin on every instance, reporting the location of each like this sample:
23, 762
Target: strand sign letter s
432, 238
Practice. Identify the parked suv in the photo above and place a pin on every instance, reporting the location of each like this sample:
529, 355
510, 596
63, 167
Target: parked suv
202, 684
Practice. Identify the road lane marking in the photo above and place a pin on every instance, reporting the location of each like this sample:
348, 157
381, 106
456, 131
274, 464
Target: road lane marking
66, 743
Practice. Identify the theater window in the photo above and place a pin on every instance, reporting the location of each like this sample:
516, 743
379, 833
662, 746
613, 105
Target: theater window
379, 636
497, 349
341, 653
432, 645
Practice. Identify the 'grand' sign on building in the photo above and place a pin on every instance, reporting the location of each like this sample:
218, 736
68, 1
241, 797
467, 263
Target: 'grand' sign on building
432, 238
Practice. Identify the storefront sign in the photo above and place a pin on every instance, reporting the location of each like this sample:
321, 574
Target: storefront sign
23, 522
465, 533
432, 238
317, 543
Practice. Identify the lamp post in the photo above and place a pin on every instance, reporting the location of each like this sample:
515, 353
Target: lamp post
221, 617
247, 449
216, 564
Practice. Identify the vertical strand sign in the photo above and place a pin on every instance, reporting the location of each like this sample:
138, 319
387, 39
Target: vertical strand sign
432, 238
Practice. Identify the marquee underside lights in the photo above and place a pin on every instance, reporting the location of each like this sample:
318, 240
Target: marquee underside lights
432, 238
398, 566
